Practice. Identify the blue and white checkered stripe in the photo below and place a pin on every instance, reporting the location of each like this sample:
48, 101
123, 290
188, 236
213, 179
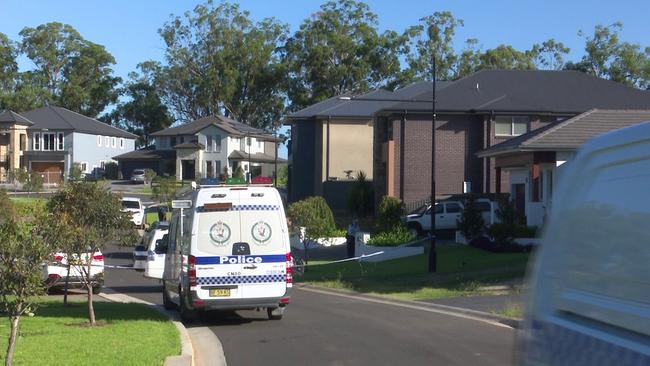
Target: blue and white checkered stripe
255, 207
235, 280
553, 344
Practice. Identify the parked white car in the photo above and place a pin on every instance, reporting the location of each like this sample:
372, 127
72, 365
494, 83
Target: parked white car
56, 270
135, 207
447, 215
155, 264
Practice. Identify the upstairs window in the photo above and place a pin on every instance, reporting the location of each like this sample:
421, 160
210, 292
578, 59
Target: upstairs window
217, 141
510, 125
208, 145
36, 145
107, 141
49, 141
59, 141
99, 141
113, 142
122, 143
172, 142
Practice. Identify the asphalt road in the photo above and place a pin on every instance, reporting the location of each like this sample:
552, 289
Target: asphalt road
323, 329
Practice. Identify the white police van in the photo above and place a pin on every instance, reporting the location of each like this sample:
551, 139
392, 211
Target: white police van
229, 249
590, 289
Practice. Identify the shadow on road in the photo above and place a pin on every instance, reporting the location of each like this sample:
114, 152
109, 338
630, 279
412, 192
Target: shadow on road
137, 289
224, 318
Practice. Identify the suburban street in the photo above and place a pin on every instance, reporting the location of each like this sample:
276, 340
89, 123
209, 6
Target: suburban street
324, 329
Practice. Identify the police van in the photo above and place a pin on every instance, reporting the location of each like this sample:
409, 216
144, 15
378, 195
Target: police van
228, 248
590, 288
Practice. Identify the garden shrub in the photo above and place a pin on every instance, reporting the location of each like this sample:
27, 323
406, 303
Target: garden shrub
390, 214
471, 222
360, 197
397, 236
315, 215
110, 170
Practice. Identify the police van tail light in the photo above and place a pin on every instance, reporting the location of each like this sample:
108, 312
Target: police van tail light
191, 270
98, 257
289, 278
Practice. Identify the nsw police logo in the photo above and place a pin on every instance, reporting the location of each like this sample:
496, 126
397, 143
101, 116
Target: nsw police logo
220, 233
261, 232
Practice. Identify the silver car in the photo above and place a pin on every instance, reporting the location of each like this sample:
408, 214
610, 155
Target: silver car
137, 176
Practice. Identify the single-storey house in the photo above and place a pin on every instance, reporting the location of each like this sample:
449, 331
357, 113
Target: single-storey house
532, 162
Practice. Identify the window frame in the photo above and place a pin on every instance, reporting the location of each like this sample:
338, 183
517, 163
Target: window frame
107, 141
51, 145
208, 143
36, 141
122, 143
60, 141
217, 142
113, 142
99, 140
512, 123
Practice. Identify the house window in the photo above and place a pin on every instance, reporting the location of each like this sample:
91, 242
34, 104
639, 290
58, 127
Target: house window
182, 139
121, 143
217, 141
172, 141
217, 167
59, 142
208, 145
99, 141
107, 141
37, 141
248, 141
113, 142
83, 166
102, 164
259, 144
49, 141
510, 125
23, 142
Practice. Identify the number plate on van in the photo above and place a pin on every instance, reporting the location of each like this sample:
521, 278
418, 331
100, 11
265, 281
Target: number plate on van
219, 292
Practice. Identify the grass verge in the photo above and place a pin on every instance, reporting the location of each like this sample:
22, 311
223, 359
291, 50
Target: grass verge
462, 271
129, 334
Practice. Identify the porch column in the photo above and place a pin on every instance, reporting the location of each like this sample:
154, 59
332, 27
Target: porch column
498, 177
535, 182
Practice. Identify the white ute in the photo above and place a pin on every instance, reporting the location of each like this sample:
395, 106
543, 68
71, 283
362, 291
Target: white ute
590, 288
228, 250
134, 206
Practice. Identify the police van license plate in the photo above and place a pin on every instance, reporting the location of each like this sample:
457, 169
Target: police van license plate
219, 292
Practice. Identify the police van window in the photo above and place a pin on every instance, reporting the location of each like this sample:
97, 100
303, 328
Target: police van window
188, 216
178, 246
172, 233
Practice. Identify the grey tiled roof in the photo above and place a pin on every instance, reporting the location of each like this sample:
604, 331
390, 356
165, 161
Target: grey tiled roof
148, 153
232, 127
570, 134
339, 108
58, 118
542, 91
9, 116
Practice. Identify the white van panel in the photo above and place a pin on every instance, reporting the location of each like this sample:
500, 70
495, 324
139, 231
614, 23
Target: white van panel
591, 286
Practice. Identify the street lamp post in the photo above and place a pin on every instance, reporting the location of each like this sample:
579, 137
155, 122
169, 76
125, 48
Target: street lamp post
433, 256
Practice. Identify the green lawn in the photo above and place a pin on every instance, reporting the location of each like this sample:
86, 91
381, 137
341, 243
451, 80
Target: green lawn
129, 334
462, 270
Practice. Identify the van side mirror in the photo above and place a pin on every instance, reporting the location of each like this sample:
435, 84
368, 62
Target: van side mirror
161, 245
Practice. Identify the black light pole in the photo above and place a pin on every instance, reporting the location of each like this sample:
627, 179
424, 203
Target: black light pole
433, 256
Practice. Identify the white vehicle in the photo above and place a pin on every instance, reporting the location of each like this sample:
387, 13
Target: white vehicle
155, 263
590, 289
229, 250
447, 214
56, 270
134, 206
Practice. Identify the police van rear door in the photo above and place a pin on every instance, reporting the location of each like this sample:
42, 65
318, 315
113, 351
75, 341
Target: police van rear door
264, 230
218, 271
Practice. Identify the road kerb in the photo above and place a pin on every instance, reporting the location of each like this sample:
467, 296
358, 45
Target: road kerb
476, 315
186, 358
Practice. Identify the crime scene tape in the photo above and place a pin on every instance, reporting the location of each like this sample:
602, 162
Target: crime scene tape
341, 260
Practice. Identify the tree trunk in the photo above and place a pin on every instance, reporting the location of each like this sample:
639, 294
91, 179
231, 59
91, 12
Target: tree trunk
9, 359
89, 288
67, 281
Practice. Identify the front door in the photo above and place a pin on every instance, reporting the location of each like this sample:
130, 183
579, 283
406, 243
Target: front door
188, 169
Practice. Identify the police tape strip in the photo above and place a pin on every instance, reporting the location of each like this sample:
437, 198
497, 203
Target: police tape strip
304, 265
343, 260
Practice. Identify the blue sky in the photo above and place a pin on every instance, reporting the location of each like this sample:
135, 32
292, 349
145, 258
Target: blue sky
128, 29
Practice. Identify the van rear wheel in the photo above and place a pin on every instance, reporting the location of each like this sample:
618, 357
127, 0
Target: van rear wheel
275, 313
